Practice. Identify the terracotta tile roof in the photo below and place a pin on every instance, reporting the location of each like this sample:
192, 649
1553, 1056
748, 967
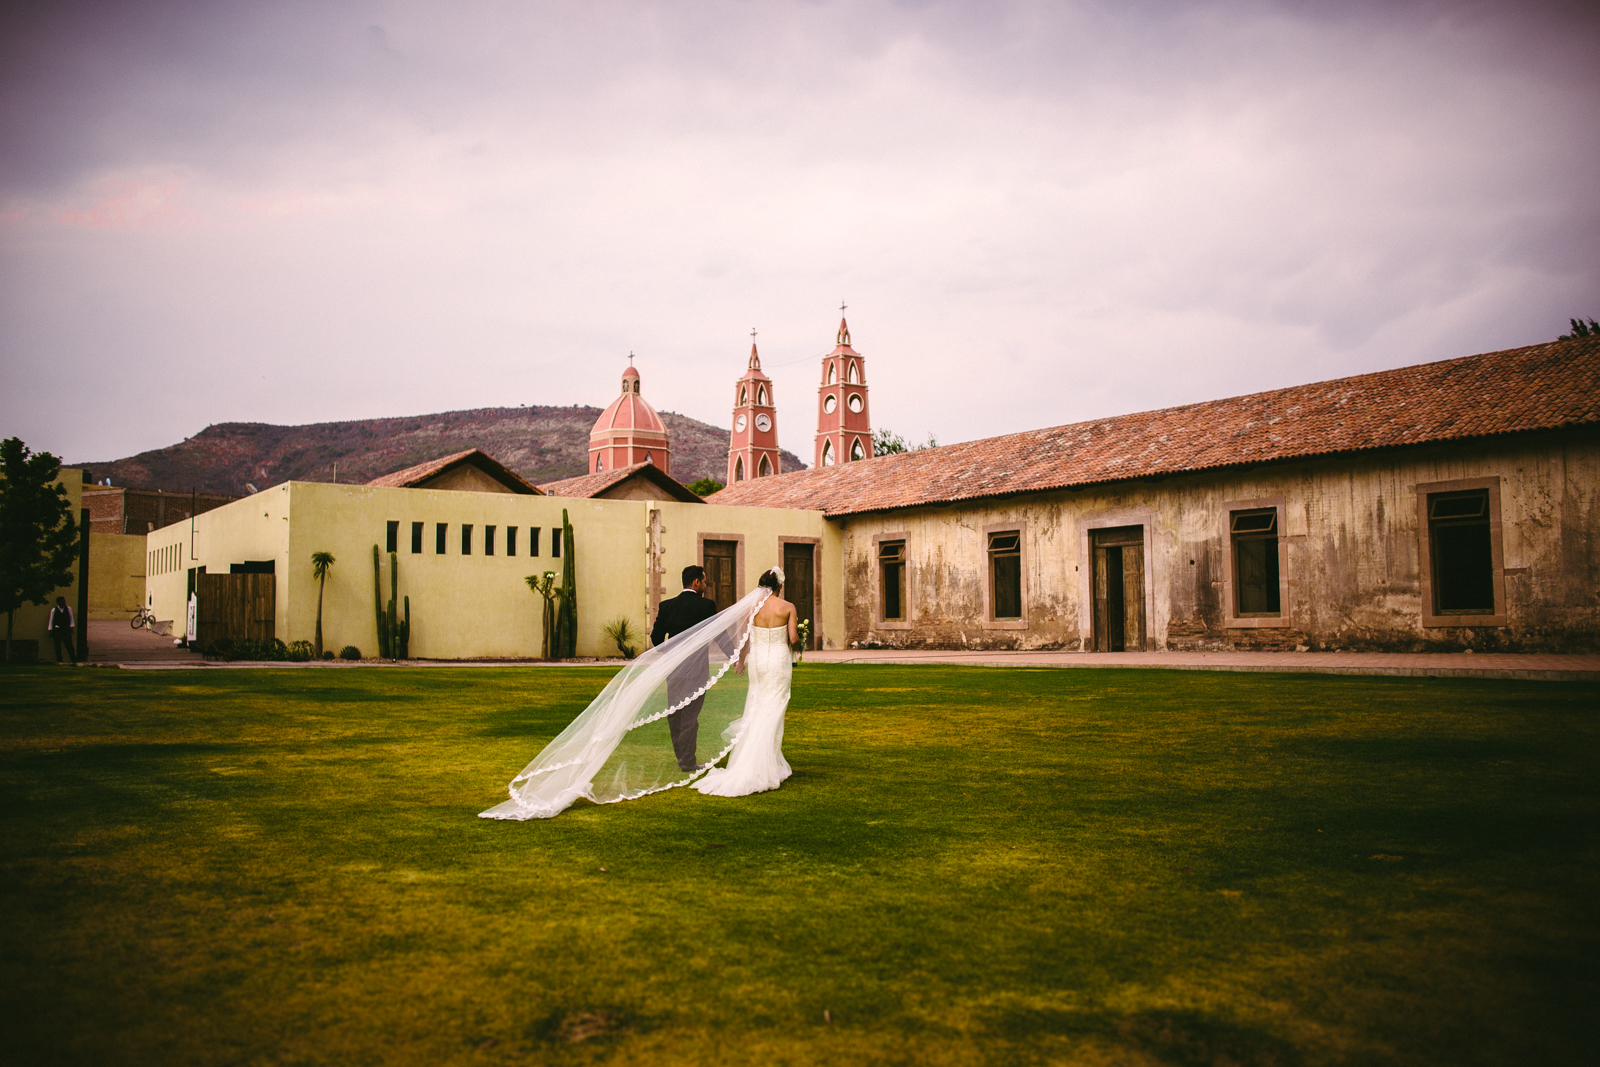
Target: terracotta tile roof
592, 485
1536, 388
411, 476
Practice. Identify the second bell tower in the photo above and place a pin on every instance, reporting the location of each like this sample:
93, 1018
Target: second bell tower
753, 445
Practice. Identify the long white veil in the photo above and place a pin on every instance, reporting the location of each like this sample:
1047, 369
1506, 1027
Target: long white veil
621, 746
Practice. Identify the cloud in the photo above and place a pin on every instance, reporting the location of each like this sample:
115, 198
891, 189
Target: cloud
1038, 212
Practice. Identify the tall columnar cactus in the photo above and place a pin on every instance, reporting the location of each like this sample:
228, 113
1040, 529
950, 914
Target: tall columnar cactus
405, 633
377, 601
567, 612
394, 594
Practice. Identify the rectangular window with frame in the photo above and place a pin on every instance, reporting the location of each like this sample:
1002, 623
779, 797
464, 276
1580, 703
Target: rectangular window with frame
392, 542
1255, 562
555, 543
488, 540
439, 531
533, 540
466, 539
511, 540
1461, 553
416, 538
892, 580
1005, 574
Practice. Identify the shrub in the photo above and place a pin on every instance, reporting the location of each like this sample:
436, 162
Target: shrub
349, 652
301, 651
328, 654
622, 632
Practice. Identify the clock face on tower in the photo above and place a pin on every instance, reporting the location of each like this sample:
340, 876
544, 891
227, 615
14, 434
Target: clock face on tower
763, 423
739, 424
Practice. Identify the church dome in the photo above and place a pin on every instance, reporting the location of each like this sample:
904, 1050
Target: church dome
629, 431
630, 411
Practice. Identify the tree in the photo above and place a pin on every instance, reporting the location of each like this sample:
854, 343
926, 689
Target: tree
38, 536
703, 486
1581, 328
545, 586
886, 442
321, 564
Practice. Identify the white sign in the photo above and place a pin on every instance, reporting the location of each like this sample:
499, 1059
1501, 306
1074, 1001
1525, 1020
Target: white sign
194, 613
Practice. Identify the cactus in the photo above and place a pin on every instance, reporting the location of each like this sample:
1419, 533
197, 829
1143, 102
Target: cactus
377, 600
394, 594
405, 633
566, 641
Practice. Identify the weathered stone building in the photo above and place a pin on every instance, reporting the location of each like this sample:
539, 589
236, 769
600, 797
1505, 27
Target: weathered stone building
1446, 505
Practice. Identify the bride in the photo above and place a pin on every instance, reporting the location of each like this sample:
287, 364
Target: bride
756, 763
733, 667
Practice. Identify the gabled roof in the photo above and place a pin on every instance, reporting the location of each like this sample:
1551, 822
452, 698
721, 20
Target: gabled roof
1541, 387
593, 485
412, 477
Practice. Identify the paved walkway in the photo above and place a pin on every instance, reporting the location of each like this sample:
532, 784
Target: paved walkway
1543, 667
112, 641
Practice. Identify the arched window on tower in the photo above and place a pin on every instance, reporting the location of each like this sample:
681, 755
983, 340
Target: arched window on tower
744, 395
738, 469
827, 453
766, 468
636, 386
855, 373
856, 451
833, 373
648, 458
761, 396
599, 462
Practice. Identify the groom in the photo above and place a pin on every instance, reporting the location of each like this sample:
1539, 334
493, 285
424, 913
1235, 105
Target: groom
674, 617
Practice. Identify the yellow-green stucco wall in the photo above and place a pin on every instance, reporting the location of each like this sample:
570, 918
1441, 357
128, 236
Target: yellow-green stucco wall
474, 606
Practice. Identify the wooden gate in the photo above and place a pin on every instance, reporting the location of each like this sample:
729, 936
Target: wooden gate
1119, 624
236, 606
721, 558
799, 586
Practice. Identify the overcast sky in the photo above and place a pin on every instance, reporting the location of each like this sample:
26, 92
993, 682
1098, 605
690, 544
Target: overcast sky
1038, 213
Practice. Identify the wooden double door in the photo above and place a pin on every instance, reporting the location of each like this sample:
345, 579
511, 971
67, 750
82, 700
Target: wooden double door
721, 561
235, 606
800, 588
1119, 622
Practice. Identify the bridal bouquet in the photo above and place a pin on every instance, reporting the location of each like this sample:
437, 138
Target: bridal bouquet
805, 638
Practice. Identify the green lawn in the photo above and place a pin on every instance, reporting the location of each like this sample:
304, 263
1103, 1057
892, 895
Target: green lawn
969, 866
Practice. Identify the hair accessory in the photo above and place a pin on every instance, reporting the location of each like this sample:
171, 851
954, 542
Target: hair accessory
779, 572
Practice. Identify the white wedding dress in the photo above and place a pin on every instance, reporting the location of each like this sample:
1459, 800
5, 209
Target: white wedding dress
756, 763
624, 745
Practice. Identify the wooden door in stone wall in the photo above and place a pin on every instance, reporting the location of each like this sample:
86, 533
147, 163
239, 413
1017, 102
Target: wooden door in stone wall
799, 587
721, 561
1119, 623
235, 606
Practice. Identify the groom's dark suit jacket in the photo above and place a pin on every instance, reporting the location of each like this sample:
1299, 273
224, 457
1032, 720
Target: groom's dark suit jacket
674, 617
680, 613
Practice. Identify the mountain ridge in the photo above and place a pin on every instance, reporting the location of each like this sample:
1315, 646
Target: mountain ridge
542, 444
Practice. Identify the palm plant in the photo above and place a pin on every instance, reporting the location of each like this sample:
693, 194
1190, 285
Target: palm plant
321, 564
626, 637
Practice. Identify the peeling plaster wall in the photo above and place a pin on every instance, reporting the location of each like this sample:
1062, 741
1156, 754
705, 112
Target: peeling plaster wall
1352, 554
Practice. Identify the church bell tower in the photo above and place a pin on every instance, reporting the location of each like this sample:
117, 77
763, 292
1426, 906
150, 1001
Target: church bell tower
753, 445
844, 425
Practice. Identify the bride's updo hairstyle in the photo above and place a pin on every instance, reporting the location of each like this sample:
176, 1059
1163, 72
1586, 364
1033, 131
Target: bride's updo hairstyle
772, 579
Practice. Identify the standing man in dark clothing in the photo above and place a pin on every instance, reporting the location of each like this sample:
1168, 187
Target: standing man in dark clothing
674, 617
64, 630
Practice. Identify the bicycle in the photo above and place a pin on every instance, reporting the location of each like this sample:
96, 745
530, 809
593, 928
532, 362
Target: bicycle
144, 617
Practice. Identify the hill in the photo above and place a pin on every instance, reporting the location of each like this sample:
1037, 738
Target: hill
539, 443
